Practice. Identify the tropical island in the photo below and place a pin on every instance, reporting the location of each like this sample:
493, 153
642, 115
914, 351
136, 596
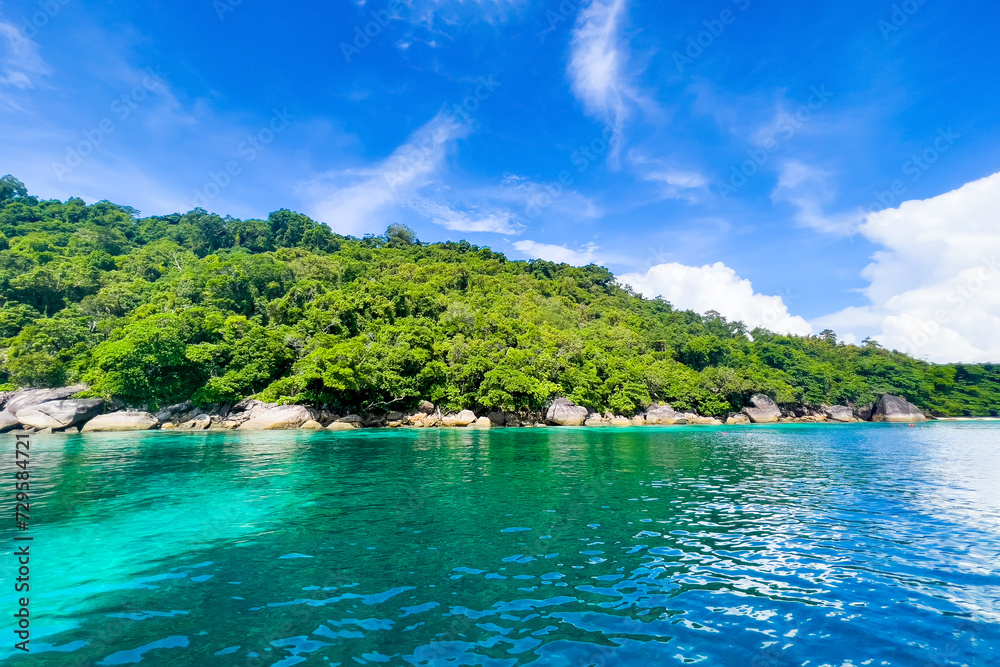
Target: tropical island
200, 321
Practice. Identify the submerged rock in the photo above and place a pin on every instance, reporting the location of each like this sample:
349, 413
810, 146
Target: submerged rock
278, 419
890, 408
60, 414
564, 412
343, 426
121, 421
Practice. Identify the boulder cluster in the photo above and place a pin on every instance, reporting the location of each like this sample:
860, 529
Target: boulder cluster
54, 411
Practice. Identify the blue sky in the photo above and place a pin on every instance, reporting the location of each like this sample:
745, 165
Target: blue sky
722, 154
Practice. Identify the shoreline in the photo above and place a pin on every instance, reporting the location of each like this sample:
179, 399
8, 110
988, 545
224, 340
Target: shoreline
56, 410
473, 429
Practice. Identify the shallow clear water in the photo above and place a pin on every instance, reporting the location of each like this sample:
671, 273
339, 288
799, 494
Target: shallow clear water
788, 545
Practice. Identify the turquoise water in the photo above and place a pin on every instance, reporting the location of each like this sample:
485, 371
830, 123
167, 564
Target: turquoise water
787, 545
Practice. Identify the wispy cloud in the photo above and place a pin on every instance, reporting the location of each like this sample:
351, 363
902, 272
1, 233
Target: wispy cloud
810, 190
585, 254
21, 66
467, 218
674, 182
411, 181
597, 66
355, 200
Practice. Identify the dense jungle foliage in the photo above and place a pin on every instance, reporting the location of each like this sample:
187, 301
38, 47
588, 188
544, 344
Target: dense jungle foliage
161, 309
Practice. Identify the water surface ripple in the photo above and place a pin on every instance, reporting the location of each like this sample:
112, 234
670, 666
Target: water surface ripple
791, 545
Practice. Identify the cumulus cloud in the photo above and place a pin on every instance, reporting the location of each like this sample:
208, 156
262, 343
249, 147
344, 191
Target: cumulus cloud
597, 66
934, 290
716, 287
561, 254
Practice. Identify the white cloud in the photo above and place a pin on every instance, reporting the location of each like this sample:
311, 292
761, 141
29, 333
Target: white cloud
539, 200
597, 66
354, 201
716, 287
675, 182
934, 291
410, 181
810, 190
20, 64
476, 219
587, 254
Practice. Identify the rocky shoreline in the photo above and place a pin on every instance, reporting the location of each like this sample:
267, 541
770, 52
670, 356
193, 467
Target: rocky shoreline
55, 411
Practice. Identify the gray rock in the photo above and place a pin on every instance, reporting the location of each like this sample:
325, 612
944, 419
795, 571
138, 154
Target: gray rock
839, 413
200, 422
463, 418
864, 411
171, 410
890, 408
7, 421
497, 418
351, 419
121, 421
280, 418
764, 410
512, 420
661, 414
427, 408
60, 414
72, 430
27, 398
343, 426
564, 412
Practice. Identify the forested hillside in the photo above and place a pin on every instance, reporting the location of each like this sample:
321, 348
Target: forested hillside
162, 309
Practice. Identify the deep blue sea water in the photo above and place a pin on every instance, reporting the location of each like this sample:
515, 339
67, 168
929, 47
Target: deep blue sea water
787, 545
